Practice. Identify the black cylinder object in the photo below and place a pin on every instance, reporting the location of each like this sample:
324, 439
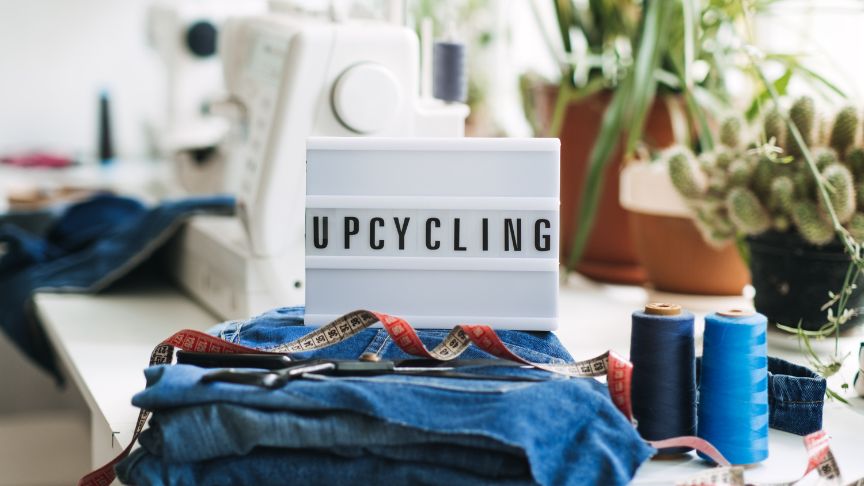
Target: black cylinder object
106, 139
449, 78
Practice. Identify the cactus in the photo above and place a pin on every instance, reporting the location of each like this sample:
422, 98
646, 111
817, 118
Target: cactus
743, 187
730, 132
782, 194
746, 212
802, 114
810, 223
723, 158
859, 194
824, 157
805, 185
772, 125
843, 131
740, 172
823, 132
714, 226
686, 174
855, 161
781, 223
841, 192
763, 174
856, 227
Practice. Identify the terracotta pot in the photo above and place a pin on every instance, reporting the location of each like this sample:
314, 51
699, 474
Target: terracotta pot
610, 254
671, 249
677, 259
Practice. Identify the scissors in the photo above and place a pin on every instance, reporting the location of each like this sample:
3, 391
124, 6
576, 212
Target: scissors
277, 378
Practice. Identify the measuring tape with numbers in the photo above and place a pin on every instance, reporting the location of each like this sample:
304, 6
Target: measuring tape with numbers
617, 370
819, 458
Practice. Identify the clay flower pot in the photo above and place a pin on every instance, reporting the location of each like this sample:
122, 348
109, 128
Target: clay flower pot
670, 247
610, 254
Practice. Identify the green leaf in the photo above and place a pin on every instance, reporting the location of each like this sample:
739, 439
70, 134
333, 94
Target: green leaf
565, 15
626, 111
780, 84
813, 75
691, 27
831, 393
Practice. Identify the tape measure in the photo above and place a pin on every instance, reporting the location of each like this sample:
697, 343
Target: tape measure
819, 458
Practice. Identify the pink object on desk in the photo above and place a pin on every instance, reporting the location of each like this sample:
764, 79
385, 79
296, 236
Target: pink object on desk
38, 159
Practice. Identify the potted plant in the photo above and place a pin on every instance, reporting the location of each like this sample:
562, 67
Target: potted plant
765, 189
641, 65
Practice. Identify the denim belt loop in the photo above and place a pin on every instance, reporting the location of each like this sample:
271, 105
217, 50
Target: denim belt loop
379, 344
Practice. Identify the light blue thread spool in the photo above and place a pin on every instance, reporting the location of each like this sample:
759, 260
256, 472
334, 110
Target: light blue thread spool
733, 392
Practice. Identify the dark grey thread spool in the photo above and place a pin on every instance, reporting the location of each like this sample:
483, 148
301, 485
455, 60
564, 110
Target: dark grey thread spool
449, 79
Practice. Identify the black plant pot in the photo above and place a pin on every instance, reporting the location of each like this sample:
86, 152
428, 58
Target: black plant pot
792, 279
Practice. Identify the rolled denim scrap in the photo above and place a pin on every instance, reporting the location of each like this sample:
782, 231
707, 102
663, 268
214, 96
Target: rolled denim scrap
796, 396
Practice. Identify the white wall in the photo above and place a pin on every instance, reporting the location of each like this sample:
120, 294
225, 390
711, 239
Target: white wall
825, 33
56, 55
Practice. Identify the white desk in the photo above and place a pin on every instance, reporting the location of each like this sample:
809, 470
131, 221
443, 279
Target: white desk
105, 341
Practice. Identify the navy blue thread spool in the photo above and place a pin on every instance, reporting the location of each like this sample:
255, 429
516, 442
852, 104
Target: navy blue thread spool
663, 388
733, 391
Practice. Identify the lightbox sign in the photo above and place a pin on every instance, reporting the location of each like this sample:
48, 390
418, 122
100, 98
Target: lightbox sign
437, 231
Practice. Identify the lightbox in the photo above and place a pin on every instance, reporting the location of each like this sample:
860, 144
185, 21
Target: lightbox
437, 231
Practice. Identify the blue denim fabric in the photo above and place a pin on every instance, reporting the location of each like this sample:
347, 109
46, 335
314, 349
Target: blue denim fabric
385, 428
796, 396
90, 246
303, 467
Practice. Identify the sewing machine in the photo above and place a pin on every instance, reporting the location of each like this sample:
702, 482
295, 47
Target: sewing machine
184, 34
291, 75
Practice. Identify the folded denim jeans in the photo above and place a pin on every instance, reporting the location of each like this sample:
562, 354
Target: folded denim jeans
303, 467
433, 430
89, 247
